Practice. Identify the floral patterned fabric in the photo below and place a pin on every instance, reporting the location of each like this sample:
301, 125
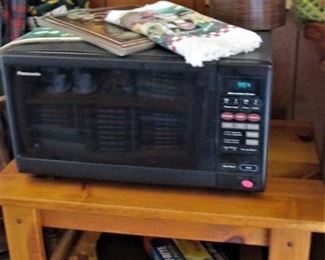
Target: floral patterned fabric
195, 36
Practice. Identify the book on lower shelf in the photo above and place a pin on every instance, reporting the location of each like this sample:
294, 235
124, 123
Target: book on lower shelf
89, 24
109, 246
180, 249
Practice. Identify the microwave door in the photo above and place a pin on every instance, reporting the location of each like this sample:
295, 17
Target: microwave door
144, 118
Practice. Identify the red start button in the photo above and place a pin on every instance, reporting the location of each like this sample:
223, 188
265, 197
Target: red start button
248, 184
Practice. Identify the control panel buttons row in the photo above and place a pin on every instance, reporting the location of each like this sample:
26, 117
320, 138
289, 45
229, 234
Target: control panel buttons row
246, 101
233, 133
248, 167
229, 116
229, 148
244, 167
240, 126
231, 141
228, 166
240, 117
249, 134
248, 142
230, 107
252, 142
243, 108
253, 117
248, 150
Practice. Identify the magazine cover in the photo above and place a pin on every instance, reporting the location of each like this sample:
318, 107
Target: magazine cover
42, 34
90, 24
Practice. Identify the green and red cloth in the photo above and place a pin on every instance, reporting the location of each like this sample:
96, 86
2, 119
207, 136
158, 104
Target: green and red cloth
196, 37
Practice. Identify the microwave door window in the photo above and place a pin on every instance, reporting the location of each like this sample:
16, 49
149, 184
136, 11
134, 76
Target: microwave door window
120, 116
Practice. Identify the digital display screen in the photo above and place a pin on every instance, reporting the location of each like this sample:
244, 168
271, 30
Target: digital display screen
242, 85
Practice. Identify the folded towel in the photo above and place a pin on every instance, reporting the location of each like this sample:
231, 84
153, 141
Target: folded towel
196, 37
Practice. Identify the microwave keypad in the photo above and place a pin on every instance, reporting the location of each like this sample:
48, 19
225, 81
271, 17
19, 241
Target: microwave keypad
240, 133
240, 124
240, 137
241, 103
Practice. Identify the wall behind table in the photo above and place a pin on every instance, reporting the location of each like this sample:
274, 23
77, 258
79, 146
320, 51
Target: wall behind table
298, 82
310, 88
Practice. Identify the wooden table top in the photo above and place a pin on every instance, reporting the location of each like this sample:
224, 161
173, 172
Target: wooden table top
292, 150
289, 203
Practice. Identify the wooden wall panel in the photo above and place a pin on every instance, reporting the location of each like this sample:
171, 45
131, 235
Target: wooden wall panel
310, 88
323, 159
284, 43
97, 3
202, 6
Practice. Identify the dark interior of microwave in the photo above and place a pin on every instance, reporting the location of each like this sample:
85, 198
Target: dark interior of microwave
132, 117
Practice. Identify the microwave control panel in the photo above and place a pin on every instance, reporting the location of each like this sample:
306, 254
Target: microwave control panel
242, 118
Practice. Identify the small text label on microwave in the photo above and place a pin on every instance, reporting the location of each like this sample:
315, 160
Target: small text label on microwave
27, 73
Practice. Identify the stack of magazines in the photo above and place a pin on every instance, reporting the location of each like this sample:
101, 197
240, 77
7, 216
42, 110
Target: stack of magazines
85, 25
89, 24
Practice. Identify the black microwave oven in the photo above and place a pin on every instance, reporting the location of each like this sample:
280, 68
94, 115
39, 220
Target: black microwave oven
78, 111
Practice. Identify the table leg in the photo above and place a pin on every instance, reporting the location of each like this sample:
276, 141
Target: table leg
24, 233
289, 244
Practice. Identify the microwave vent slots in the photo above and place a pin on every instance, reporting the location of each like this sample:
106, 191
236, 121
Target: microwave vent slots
162, 130
116, 129
160, 85
52, 114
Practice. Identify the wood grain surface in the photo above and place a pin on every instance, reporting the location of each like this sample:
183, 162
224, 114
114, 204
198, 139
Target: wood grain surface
24, 233
250, 14
289, 203
310, 88
289, 244
292, 150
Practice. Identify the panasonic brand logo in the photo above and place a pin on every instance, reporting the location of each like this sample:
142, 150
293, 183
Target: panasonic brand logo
31, 74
